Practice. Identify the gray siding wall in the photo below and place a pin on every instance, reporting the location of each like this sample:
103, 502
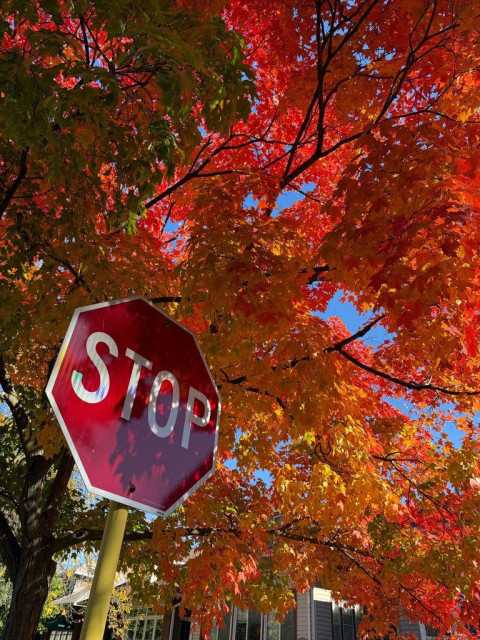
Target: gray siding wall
314, 615
303, 616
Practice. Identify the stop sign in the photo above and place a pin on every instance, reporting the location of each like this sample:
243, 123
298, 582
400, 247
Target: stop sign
137, 404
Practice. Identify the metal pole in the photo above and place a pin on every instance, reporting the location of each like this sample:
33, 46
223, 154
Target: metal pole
104, 579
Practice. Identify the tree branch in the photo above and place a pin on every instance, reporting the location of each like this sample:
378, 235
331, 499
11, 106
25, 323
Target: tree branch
85, 40
79, 279
58, 487
359, 334
10, 396
166, 299
93, 535
347, 550
408, 384
9, 547
316, 275
10, 192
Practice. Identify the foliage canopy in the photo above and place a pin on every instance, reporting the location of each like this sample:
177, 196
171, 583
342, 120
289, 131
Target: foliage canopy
147, 148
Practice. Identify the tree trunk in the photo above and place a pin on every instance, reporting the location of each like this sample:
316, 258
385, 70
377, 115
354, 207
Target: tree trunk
34, 567
30, 590
27, 553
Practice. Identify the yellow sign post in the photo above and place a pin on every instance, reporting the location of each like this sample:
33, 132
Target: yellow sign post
104, 578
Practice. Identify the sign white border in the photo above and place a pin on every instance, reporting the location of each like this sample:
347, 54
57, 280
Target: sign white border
56, 410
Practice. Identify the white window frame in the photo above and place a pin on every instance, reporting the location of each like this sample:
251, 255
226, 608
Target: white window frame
141, 617
233, 626
61, 634
279, 624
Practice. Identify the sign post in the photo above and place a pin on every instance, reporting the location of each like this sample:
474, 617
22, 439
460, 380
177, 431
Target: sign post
103, 583
140, 411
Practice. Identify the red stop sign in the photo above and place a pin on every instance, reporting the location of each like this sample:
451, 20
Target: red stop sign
137, 404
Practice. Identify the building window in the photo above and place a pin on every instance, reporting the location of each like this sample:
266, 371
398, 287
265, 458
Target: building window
144, 625
248, 625
431, 632
280, 631
221, 633
345, 622
61, 635
251, 625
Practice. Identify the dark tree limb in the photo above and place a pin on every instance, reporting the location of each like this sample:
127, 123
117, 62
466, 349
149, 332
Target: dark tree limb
58, 487
316, 276
79, 279
19, 414
12, 189
339, 347
359, 334
9, 547
347, 551
93, 535
408, 384
166, 299
85, 41
81, 536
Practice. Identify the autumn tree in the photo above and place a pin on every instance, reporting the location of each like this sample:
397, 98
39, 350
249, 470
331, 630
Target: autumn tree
119, 181
99, 103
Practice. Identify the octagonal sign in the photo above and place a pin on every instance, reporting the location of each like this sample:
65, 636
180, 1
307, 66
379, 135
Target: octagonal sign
137, 404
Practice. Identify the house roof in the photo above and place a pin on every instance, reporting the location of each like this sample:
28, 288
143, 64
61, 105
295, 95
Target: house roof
80, 596
77, 597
